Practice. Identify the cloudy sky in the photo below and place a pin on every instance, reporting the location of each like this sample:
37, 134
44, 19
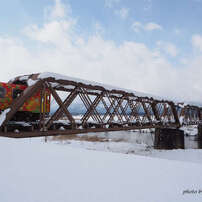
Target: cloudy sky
151, 46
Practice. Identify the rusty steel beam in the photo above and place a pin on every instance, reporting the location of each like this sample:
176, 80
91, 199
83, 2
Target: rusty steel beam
92, 109
155, 111
115, 109
38, 133
59, 112
87, 105
146, 111
124, 110
108, 108
42, 108
134, 113
60, 103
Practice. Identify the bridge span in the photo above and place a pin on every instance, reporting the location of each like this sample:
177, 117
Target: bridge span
107, 108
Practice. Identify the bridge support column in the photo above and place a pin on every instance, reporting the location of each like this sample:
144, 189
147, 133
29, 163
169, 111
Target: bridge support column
167, 138
200, 135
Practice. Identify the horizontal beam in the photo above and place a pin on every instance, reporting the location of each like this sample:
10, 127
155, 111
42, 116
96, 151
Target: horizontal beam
37, 133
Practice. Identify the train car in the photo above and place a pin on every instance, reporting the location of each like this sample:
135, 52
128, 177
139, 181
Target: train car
31, 109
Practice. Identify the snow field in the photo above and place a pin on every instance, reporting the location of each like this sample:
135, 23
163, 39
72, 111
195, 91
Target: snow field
34, 171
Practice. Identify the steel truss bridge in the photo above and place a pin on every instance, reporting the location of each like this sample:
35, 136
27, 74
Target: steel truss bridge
122, 109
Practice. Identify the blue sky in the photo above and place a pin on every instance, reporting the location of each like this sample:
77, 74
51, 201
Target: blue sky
153, 46
182, 15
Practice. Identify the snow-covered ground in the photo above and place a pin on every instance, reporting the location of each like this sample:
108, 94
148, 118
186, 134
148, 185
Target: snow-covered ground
125, 168
32, 170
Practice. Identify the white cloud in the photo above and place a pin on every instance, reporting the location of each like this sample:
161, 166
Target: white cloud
132, 65
58, 30
99, 29
123, 13
110, 3
168, 48
152, 26
59, 10
197, 41
138, 26
184, 61
54, 32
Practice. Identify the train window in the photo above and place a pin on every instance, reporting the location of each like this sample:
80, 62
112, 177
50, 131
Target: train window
16, 93
2, 92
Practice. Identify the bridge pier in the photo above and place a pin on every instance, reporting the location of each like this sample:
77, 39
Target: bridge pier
168, 138
200, 136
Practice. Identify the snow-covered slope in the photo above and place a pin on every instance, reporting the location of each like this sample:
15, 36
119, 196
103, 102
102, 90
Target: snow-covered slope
33, 171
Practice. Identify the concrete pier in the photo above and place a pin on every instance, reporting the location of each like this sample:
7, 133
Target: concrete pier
200, 136
168, 138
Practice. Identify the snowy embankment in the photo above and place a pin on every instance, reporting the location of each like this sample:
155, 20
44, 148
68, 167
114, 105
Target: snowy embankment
35, 171
134, 142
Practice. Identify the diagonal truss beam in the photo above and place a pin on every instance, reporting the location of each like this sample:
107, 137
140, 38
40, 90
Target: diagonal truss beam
115, 109
87, 103
61, 104
59, 112
134, 112
92, 109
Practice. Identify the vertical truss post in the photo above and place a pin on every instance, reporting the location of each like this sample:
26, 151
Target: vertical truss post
175, 114
42, 108
200, 113
155, 112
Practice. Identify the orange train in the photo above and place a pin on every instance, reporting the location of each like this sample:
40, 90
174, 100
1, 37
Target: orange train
30, 111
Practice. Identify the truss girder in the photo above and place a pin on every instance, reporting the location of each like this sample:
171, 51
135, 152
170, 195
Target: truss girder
119, 108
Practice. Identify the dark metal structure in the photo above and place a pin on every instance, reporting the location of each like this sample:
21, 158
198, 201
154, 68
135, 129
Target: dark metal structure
121, 110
